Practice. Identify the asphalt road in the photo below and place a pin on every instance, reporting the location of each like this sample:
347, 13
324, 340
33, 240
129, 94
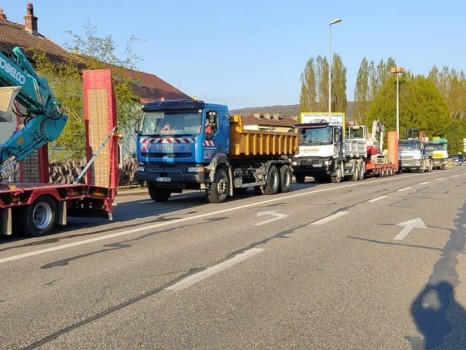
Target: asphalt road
374, 264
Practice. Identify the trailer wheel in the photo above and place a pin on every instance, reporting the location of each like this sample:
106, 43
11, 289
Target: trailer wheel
300, 178
39, 218
218, 191
159, 194
285, 179
273, 180
337, 175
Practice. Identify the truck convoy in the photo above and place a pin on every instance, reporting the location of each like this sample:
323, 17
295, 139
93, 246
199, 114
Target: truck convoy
35, 208
326, 154
437, 149
190, 144
412, 155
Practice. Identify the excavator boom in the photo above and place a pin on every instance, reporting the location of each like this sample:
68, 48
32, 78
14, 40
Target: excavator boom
24, 93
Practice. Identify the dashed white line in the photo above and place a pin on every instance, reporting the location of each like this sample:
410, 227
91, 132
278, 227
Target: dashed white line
212, 270
329, 218
376, 199
440, 178
404, 189
425, 183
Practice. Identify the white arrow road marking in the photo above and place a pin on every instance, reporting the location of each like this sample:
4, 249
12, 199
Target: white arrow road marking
408, 226
278, 216
329, 218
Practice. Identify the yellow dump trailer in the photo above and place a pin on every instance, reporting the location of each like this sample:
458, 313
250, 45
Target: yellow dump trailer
257, 143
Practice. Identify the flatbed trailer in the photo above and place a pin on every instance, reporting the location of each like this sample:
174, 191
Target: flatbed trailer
35, 208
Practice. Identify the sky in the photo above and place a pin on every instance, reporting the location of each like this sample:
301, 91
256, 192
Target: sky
251, 53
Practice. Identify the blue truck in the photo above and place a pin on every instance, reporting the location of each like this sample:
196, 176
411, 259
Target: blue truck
190, 144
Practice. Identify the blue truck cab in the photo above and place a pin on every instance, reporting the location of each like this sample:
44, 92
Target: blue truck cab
177, 141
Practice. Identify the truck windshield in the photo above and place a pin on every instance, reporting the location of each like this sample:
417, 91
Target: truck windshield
437, 146
315, 136
171, 122
408, 146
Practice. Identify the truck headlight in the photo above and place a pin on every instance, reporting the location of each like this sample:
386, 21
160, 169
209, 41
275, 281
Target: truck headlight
141, 168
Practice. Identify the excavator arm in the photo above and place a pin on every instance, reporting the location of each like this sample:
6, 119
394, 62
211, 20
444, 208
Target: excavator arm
43, 117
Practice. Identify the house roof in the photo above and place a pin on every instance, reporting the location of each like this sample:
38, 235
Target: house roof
26, 36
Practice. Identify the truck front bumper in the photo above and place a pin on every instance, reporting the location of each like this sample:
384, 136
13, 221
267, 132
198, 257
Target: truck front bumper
312, 166
173, 176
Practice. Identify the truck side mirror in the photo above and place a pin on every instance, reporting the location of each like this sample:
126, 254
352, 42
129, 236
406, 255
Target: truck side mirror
137, 126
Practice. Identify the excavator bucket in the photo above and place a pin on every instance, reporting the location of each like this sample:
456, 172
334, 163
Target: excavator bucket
7, 96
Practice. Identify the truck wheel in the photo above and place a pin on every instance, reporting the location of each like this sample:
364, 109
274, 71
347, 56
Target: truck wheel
159, 194
218, 191
285, 179
337, 175
300, 178
273, 180
361, 170
355, 176
39, 218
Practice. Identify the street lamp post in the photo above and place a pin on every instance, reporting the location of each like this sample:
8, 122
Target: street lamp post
336, 20
397, 71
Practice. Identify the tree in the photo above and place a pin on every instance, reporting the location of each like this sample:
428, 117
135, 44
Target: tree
422, 106
339, 100
452, 85
314, 85
362, 93
307, 100
65, 80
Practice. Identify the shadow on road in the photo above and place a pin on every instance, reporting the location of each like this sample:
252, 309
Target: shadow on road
439, 318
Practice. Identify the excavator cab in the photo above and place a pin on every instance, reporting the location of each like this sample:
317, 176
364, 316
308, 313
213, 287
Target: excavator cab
7, 96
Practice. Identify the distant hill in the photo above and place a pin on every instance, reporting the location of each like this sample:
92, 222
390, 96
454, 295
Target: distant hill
283, 110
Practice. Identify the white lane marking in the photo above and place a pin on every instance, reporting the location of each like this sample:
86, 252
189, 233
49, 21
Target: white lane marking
376, 199
330, 218
454, 175
212, 270
440, 178
408, 226
277, 216
177, 221
404, 189
425, 183
146, 202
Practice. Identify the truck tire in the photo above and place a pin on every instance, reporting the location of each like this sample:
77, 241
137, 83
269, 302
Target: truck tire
337, 175
39, 218
285, 179
273, 181
355, 175
362, 171
159, 194
218, 191
300, 178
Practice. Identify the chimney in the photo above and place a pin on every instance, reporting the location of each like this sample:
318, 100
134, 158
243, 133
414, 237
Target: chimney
30, 21
2, 15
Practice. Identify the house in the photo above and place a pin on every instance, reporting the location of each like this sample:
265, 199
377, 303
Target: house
27, 36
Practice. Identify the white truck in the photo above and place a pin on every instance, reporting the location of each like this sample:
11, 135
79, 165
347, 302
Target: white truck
412, 155
325, 154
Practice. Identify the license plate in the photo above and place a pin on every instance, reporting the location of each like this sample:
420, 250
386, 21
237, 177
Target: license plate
163, 179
